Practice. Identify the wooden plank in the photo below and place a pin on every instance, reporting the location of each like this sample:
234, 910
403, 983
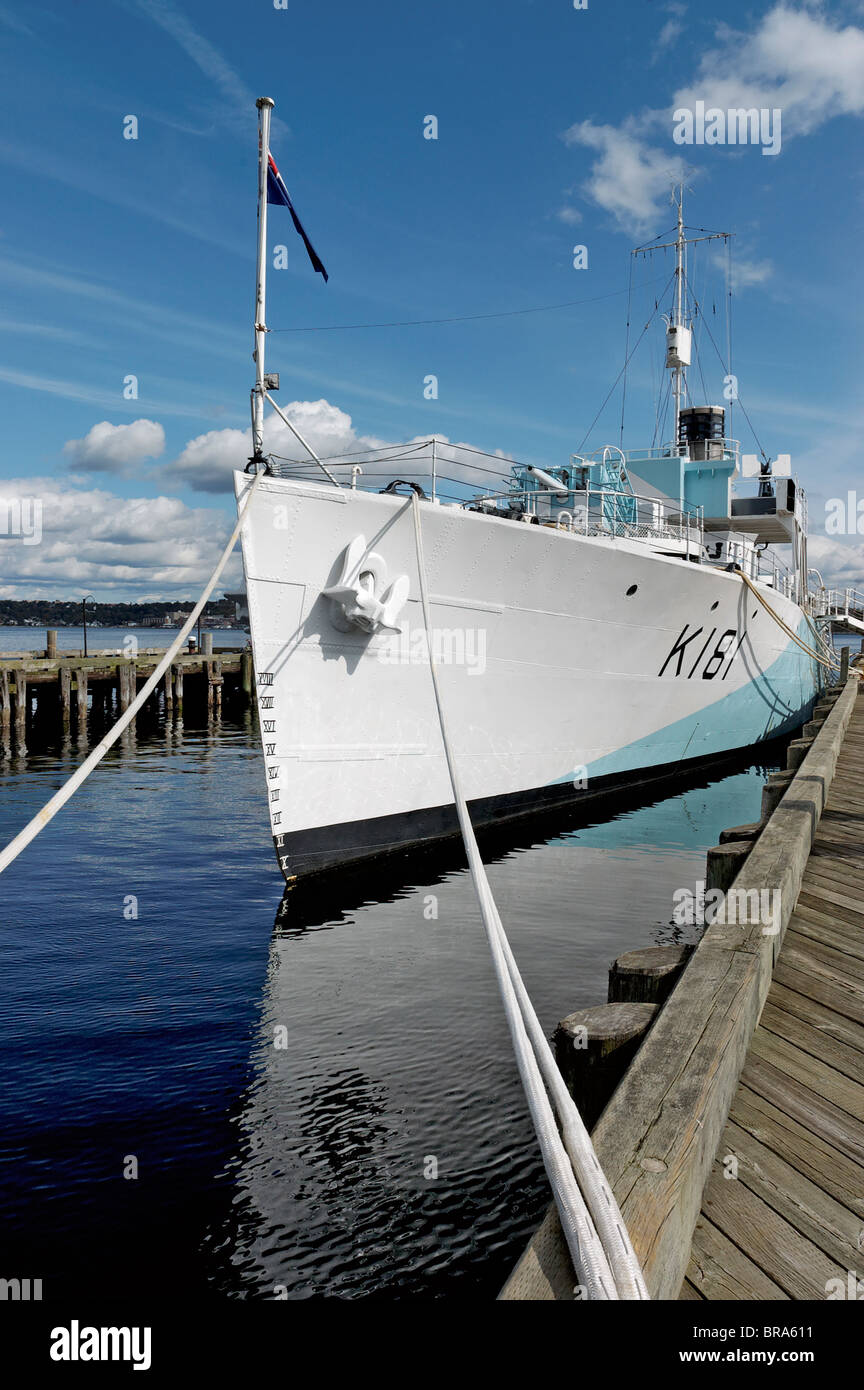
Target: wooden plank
826, 931
832, 995
826, 1081
814, 895
719, 1270
801, 1202
689, 1291
836, 872
781, 1252
818, 1045
809, 1153
829, 1023
838, 1128
813, 959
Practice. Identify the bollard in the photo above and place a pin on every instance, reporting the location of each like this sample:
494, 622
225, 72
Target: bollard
594, 1047
647, 976
724, 863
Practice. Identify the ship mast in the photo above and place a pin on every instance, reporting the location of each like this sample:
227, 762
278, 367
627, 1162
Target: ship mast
265, 106
678, 321
679, 332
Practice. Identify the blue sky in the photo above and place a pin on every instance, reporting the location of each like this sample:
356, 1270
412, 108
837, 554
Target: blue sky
136, 257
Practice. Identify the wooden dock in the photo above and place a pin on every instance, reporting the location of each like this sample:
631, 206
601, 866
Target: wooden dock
792, 1219
734, 1141
46, 691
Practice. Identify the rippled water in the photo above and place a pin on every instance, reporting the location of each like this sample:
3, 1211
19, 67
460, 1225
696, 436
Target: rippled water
288, 1076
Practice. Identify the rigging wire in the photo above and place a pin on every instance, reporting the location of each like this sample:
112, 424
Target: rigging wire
624, 368
458, 318
626, 354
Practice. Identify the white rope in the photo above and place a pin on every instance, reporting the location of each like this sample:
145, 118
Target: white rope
602, 1254
70, 787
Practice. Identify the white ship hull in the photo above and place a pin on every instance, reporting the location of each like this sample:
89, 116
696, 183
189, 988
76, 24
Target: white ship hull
570, 665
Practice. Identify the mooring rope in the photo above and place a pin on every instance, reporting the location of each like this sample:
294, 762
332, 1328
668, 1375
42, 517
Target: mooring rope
70, 787
829, 665
603, 1256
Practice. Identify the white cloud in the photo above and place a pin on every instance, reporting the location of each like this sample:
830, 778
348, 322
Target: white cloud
630, 176
233, 92
207, 461
108, 448
138, 547
795, 59
744, 272
841, 563
569, 215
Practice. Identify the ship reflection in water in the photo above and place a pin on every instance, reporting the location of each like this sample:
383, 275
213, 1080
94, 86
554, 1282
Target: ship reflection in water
384, 1147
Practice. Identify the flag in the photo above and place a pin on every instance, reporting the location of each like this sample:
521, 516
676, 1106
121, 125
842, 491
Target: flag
278, 193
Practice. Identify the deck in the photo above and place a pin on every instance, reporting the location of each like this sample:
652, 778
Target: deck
794, 1218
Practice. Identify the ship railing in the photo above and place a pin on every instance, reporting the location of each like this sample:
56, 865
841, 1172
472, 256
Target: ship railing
731, 451
448, 473
761, 566
843, 603
601, 512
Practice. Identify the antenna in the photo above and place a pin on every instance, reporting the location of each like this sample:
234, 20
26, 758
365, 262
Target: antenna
679, 333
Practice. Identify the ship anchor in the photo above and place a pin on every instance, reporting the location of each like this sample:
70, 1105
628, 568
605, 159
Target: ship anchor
362, 597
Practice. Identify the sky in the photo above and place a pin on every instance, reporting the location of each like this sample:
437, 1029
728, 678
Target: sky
134, 258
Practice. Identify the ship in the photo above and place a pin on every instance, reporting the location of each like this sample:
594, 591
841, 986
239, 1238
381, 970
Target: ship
596, 623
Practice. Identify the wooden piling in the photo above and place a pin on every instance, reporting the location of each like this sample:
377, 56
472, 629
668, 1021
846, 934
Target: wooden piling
844, 665
207, 643
20, 716
647, 976
773, 792
751, 832
168, 686
81, 702
178, 691
724, 863
247, 680
594, 1047
66, 697
51, 644
796, 752
5, 710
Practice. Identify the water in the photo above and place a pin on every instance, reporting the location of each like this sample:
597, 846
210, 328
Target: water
288, 1078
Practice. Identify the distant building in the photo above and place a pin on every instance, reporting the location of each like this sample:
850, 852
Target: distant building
241, 607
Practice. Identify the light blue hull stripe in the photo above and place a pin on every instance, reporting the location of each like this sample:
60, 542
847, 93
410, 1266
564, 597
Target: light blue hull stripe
773, 703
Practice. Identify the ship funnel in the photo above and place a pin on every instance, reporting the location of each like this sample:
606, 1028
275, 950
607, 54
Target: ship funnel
701, 431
